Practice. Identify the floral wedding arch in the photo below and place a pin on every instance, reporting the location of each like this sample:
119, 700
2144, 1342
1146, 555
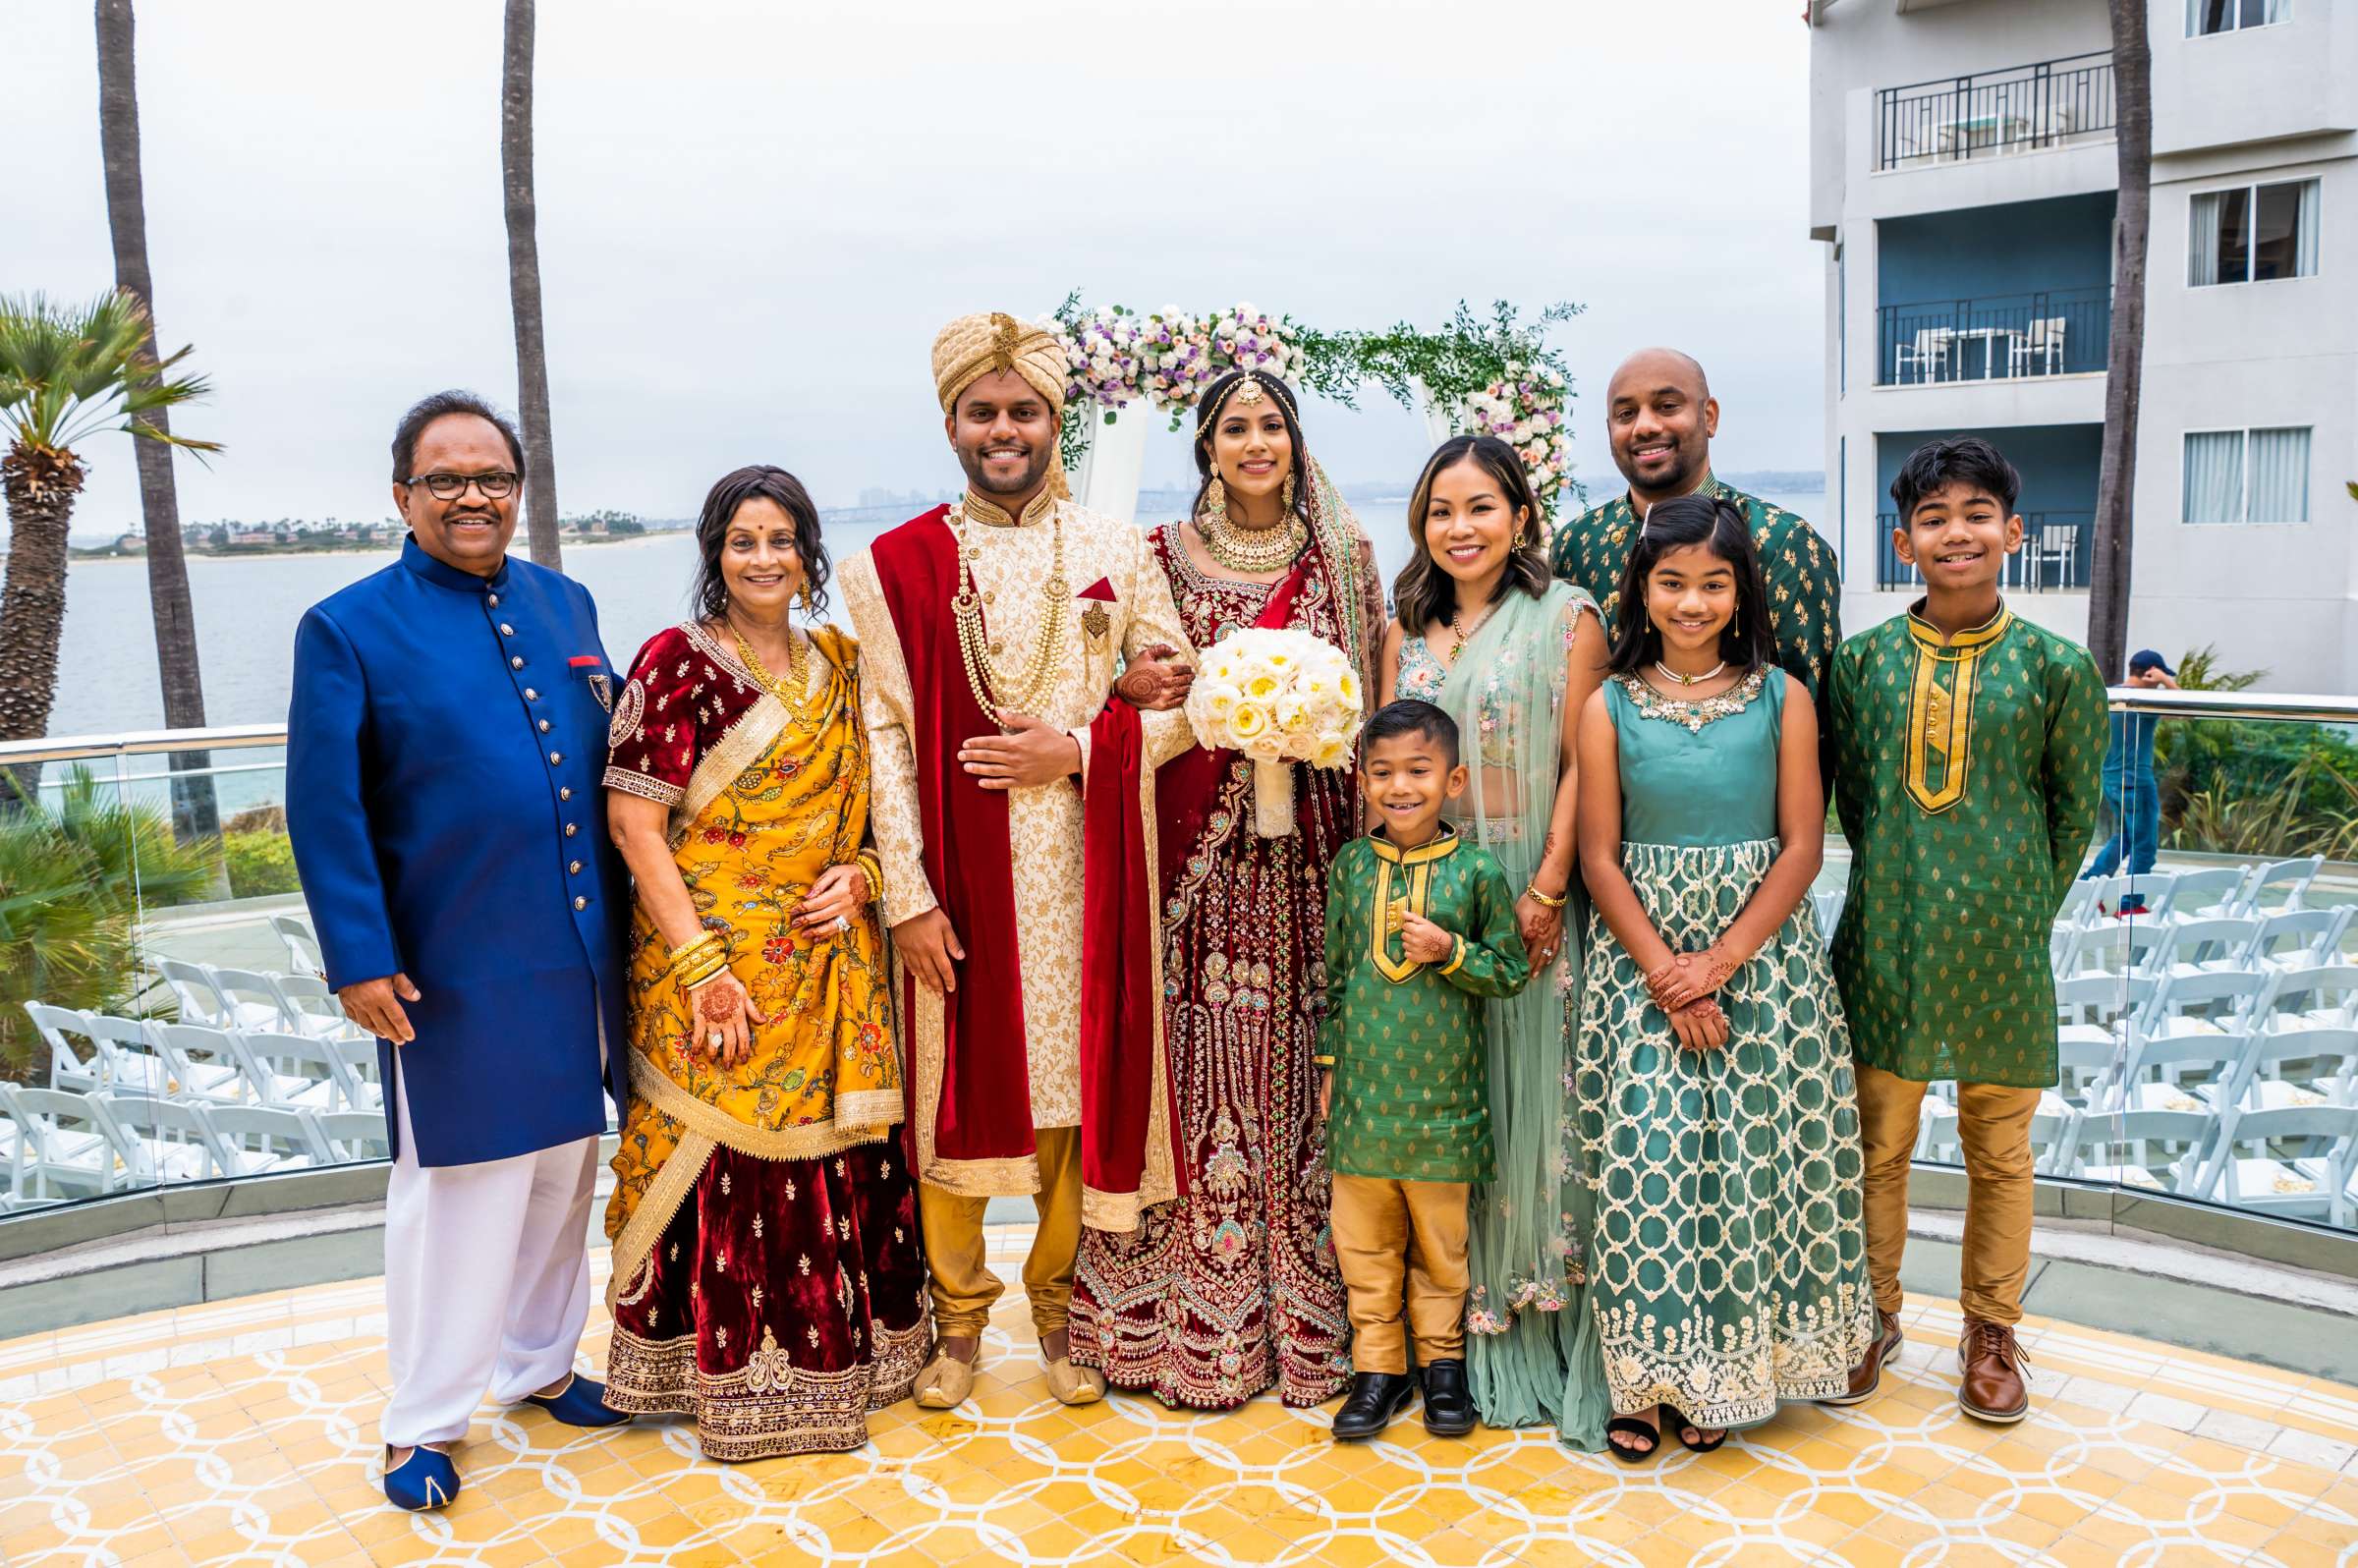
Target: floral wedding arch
1494, 377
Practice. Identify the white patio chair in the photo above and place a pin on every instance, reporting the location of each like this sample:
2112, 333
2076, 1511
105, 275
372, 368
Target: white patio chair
206, 1063
353, 1134
2289, 879
2323, 996
2185, 1072
134, 1065
256, 1140
165, 1139
2127, 1149
314, 1008
202, 1000
66, 1144
2208, 946
2213, 893
2208, 1002
2118, 949
2042, 345
2311, 1182
84, 1071
302, 948
1928, 353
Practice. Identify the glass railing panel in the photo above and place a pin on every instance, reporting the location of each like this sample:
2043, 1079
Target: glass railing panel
190, 1038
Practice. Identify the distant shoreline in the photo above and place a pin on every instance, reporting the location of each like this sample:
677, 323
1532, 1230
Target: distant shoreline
210, 554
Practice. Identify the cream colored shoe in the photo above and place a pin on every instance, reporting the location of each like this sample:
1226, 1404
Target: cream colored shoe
949, 1377
1071, 1384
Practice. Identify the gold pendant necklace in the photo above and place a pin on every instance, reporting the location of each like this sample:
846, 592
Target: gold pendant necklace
966, 608
1711, 674
1252, 551
795, 690
1461, 632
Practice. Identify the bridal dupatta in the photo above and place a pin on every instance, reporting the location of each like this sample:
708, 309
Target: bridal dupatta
1506, 692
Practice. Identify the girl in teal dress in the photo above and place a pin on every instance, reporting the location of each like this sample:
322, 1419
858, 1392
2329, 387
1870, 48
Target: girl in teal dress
1717, 1129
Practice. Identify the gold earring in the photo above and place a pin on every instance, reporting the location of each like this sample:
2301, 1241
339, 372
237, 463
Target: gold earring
805, 595
1288, 498
1216, 499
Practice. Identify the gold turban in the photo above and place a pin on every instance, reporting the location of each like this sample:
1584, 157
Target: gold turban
974, 346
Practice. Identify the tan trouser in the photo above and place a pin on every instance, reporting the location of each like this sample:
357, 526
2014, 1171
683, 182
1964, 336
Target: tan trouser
964, 1287
1993, 1127
1388, 1234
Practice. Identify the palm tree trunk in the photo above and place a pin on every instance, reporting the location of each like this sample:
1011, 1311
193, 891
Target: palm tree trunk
2117, 479
523, 283
195, 813
40, 486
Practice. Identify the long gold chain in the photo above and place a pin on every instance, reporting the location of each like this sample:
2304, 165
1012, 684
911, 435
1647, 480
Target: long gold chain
1030, 693
795, 690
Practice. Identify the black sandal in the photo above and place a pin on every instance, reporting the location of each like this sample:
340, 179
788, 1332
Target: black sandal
1678, 1426
1636, 1428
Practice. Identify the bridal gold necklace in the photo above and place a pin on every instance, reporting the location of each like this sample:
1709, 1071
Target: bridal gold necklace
991, 691
1253, 550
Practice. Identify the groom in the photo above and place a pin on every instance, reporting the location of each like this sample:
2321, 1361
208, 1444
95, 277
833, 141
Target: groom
1013, 805
444, 747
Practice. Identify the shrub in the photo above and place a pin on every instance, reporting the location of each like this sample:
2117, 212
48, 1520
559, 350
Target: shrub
259, 864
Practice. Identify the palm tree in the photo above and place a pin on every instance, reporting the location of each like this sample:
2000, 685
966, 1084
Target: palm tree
524, 282
2117, 476
66, 374
169, 602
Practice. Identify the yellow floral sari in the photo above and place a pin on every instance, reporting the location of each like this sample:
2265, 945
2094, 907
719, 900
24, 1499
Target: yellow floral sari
777, 797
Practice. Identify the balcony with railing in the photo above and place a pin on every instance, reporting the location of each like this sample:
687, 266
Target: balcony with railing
2029, 108
1993, 337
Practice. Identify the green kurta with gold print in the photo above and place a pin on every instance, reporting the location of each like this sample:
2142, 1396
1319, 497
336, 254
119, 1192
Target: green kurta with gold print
1968, 781
1805, 588
1411, 1080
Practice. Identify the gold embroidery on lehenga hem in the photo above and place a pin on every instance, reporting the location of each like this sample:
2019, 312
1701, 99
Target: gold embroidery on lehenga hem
769, 1407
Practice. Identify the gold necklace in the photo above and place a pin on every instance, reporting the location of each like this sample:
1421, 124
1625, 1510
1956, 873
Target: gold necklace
1711, 674
794, 691
966, 608
1253, 550
1459, 631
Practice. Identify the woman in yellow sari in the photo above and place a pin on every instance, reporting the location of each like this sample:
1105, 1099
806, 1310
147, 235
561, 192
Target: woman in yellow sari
767, 1279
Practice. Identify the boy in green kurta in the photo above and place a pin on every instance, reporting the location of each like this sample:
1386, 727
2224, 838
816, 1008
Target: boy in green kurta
1419, 930
1972, 745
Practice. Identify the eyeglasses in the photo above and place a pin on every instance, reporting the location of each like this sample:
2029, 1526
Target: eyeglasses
450, 486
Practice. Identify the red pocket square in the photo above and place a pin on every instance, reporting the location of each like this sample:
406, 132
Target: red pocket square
584, 662
1102, 589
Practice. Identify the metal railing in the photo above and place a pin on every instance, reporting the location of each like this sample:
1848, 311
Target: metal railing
2019, 109
1994, 337
2053, 557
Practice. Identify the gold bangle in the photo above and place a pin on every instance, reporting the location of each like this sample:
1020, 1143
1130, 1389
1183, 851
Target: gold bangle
694, 975
874, 869
688, 952
1551, 903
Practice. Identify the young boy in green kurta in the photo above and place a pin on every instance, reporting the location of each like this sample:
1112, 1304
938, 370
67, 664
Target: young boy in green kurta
1970, 748
1419, 930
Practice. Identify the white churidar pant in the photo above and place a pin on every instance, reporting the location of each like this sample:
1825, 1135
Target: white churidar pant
486, 1280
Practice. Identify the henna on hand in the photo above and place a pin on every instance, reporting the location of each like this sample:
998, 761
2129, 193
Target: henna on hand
716, 1004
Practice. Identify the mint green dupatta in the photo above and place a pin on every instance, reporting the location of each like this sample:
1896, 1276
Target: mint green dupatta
1506, 692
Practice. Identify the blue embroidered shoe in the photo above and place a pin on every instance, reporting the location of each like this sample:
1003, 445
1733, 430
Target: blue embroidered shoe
579, 1403
426, 1480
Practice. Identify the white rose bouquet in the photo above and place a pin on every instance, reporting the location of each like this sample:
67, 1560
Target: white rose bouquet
1280, 698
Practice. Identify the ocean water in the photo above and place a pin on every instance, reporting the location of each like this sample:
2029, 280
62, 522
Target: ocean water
247, 610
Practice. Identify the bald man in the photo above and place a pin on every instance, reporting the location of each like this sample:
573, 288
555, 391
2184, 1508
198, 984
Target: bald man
1660, 416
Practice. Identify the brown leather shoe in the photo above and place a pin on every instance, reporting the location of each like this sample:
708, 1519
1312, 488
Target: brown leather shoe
1993, 1388
1868, 1376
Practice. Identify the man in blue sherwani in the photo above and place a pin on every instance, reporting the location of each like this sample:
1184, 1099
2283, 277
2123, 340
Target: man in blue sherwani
445, 744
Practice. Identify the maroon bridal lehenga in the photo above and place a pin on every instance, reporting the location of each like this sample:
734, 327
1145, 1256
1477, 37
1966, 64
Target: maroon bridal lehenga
1233, 1288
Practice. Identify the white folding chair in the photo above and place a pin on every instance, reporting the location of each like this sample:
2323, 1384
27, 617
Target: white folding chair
2297, 1067
2209, 894
2200, 946
66, 1144
353, 1134
302, 948
206, 1063
2126, 1146
2324, 997
312, 1007
2205, 1002
308, 1073
129, 1048
2291, 878
2157, 890
2300, 938
165, 1139
83, 1072
2310, 1182
202, 1002
256, 1140
253, 999
2117, 949
2185, 1072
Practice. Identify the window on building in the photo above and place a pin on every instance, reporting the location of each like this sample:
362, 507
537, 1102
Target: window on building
2247, 475
2206, 16
2252, 232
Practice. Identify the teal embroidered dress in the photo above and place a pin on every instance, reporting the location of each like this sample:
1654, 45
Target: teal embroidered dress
1410, 1077
1727, 1267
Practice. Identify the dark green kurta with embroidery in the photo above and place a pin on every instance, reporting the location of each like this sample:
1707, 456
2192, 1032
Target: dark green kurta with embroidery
1411, 1078
1805, 586
1968, 782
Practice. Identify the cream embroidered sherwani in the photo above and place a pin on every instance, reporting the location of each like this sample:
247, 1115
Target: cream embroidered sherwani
1011, 562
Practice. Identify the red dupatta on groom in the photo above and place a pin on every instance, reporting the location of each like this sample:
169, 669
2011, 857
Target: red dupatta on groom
985, 1112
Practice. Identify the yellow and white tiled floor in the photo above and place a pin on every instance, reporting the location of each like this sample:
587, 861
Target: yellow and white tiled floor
244, 1433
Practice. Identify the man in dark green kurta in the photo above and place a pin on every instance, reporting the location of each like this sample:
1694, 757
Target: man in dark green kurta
1972, 746
1660, 418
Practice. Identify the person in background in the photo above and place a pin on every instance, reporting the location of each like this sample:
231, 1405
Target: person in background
1421, 933
444, 744
2130, 788
1972, 746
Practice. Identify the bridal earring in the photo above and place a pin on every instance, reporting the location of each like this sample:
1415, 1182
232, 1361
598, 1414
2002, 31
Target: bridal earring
1215, 498
1287, 496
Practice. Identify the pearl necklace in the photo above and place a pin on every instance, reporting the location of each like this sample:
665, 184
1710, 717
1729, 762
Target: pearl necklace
974, 645
1676, 679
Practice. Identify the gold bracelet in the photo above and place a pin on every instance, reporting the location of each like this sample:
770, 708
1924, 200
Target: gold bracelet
688, 952
692, 976
1551, 903
874, 869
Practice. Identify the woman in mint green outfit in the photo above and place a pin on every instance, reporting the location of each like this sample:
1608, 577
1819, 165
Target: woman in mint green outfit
1717, 1126
1511, 654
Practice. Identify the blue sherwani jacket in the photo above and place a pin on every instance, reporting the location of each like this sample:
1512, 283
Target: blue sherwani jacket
444, 752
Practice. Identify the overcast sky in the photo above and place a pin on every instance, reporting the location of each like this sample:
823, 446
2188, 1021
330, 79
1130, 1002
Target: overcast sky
754, 216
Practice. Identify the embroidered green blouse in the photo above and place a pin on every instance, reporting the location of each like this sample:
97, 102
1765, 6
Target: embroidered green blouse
1411, 1074
1968, 782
